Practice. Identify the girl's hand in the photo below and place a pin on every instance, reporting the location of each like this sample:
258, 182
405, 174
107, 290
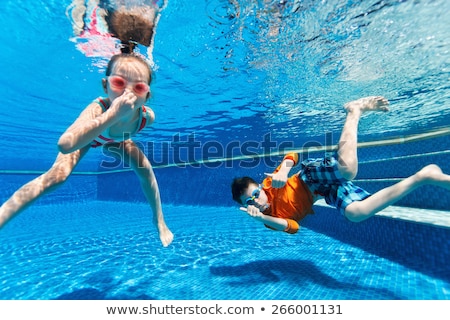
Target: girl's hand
124, 104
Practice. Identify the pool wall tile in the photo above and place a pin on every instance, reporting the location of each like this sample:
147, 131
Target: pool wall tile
421, 247
77, 188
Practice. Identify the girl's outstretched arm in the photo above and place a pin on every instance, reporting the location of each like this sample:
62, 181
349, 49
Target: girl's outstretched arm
93, 121
83, 130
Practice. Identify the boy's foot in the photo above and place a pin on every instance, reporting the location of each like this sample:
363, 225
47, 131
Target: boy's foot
373, 103
432, 174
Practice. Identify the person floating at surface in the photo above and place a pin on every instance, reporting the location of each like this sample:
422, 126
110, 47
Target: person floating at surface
109, 122
98, 24
280, 202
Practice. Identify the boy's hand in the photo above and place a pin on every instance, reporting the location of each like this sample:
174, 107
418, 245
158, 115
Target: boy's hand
279, 179
252, 211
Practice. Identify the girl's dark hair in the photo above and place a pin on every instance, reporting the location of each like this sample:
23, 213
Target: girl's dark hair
132, 24
119, 56
238, 186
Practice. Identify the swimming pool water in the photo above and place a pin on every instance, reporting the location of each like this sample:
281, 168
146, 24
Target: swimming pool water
109, 250
220, 78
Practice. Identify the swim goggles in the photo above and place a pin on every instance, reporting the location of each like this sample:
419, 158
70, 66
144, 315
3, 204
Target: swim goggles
118, 83
255, 195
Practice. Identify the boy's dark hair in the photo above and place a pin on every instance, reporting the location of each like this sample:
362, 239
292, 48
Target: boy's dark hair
239, 185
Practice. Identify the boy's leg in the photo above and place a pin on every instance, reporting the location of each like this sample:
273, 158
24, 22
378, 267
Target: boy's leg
429, 175
348, 142
46, 182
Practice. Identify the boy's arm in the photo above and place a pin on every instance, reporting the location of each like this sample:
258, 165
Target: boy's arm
280, 176
274, 223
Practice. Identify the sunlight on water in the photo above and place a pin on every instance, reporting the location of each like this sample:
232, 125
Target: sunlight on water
246, 65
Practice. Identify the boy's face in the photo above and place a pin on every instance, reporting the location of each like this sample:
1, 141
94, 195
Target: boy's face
128, 75
254, 195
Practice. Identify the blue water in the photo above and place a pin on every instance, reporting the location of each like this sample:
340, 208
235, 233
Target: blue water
222, 77
218, 74
107, 250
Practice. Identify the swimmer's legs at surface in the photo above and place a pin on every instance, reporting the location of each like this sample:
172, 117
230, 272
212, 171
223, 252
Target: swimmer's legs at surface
77, 12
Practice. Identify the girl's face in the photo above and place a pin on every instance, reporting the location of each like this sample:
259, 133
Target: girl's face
128, 74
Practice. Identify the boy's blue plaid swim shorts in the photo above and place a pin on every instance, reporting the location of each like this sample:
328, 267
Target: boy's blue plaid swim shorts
323, 175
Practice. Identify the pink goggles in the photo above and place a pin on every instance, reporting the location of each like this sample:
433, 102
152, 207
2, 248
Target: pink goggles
118, 83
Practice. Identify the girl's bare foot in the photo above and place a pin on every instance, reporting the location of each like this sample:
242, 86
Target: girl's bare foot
373, 103
165, 235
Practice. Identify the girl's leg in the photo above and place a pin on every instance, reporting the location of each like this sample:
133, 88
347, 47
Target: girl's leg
47, 182
348, 142
429, 175
141, 165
